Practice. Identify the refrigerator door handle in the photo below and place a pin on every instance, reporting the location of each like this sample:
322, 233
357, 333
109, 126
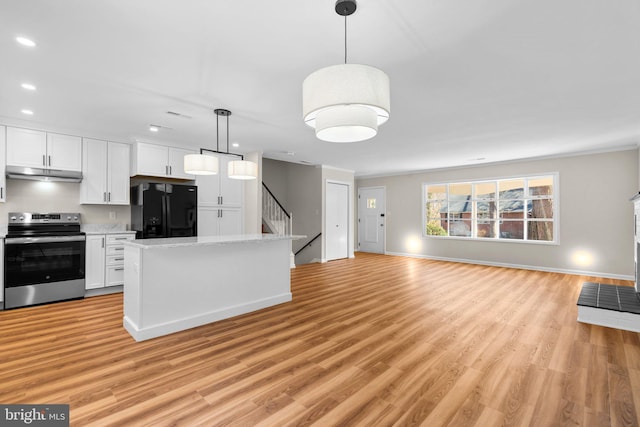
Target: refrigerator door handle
167, 216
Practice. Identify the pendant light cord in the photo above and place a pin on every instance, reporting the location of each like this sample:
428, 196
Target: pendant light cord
227, 134
345, 38
217, 133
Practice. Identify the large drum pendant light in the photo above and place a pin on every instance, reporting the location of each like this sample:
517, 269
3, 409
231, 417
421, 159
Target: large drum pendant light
346, 102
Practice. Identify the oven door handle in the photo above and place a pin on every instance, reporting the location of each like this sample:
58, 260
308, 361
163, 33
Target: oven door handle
22, 240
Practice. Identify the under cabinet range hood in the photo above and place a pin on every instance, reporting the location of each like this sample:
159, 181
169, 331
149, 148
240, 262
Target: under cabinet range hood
39, 174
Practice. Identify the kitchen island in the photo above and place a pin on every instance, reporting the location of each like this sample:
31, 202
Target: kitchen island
179, 283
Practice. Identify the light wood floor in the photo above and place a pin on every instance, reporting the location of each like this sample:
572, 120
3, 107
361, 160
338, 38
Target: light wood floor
376, 340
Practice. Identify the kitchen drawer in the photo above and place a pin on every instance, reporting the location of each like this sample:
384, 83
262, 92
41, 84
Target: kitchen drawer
115, 275
116, 239
115, 250
115, 259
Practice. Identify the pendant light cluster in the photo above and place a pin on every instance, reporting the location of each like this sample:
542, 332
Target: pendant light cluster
205, 164
346, 102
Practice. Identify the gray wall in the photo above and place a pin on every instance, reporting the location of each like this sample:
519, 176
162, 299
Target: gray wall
596, 217
299, 189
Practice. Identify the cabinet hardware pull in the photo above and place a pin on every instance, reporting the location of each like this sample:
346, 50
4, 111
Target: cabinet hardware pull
170, 170
118, 249
104, 196
119, 269
102, 239
119, 238
109, 196
44, 161
49, 160
118, 259
1, 192
166, 169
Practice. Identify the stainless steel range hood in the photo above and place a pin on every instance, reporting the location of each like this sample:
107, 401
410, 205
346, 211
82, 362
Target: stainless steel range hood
38, 174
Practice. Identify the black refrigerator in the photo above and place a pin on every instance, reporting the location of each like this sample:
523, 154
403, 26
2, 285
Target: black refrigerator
164, 210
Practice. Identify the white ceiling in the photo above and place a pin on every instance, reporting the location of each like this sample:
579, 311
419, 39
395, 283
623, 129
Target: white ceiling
478, 79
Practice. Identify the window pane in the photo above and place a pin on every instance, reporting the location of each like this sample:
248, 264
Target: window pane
436, 209
511, 189
371, 203
460, 227
486, 229
512, 230
540, 230
541, 208
511, 209
436, 227
485, 190
463, 190
486, 210
436, 192
541, 186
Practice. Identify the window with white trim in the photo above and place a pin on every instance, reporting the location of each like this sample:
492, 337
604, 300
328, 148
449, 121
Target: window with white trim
520, 209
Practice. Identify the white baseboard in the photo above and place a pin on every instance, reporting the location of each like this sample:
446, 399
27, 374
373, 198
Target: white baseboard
153, 331
103, 291
518, 266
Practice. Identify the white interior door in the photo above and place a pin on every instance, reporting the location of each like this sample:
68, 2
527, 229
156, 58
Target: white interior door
337, 221
371, 220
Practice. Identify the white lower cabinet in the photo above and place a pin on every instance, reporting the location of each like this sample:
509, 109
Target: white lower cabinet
105, 260
94, 261
219, 222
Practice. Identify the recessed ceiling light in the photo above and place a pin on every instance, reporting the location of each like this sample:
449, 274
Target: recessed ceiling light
27, 112
235, 145
28, 86
154, 128
25, 41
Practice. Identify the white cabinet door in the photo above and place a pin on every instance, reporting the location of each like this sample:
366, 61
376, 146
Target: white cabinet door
3, 178
230, 222
95, 261
64, 152
208, 189
152, 160
93, 188
176, 163
208, 219
118, 173
26, 148
230, 189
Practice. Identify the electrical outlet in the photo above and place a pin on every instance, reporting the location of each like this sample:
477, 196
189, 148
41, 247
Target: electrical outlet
112, 215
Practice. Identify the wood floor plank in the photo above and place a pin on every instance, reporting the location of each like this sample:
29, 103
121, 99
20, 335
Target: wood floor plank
372, 341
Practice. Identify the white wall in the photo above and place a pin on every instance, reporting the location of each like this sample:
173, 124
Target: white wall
253, 198
596, 217
40, 196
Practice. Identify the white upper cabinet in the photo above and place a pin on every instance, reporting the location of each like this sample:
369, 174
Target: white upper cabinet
106, 173
159, 160
220, 190
3, 178
37, 149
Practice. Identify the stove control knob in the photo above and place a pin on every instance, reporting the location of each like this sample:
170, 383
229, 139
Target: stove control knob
75, 218
13, 218
21, 218
68, 218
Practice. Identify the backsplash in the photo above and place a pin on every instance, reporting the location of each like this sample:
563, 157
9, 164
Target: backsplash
41, 196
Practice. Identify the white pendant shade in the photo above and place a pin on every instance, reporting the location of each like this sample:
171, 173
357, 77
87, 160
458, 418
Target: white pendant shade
242, 169
200, 164
330, 97
346, 123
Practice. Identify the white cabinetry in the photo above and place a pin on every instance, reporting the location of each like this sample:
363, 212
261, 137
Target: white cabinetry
3, 178
159, 160
105, 260
219, 222
220, 202
36, 149
115, 258
94, 261
106, 173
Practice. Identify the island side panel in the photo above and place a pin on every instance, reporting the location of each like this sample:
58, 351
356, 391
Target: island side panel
187, 286
132, 289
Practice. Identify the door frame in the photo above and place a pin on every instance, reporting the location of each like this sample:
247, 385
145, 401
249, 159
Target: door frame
384, 190
350, 216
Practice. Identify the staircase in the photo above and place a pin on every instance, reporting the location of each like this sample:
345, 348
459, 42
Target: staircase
275, 219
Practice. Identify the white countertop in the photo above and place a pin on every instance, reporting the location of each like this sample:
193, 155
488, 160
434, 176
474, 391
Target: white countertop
206, 240
106, 229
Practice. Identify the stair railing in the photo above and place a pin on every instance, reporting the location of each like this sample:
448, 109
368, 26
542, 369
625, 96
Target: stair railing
274, 214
